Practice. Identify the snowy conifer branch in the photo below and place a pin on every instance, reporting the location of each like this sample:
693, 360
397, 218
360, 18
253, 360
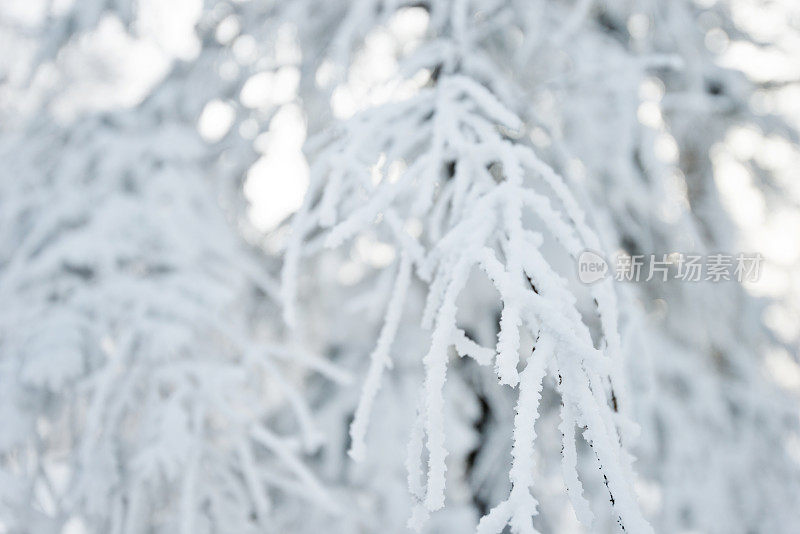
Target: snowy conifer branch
480, 193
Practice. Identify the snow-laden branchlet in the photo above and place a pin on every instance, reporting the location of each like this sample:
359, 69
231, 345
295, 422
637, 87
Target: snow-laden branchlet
476, 189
